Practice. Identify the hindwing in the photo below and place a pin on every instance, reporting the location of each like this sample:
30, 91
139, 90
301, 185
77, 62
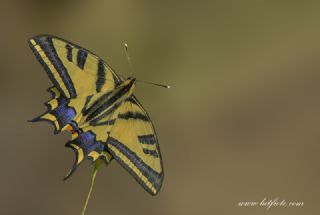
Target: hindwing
78, 75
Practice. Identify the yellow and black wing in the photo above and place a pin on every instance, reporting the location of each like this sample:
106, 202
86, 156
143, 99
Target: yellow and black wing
74, 70
133, 143
78, 75
80, 78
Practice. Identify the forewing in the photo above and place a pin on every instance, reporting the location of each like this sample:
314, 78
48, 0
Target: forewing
74, 71
133, 143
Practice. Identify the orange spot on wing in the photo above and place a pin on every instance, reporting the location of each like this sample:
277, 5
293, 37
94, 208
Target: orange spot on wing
69, 128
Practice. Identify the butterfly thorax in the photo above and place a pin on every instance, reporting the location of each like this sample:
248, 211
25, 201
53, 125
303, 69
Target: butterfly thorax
108, 102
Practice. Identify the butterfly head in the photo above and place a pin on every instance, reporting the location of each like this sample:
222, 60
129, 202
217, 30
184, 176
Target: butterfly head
130, 83
131, 78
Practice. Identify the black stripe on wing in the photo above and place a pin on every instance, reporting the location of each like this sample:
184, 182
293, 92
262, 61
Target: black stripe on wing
69, 52
106, 114
101, 76
46, 44
108, 122
153, 177
81, 58
153, 153
147, 139
46, 67
106, 101
133, 115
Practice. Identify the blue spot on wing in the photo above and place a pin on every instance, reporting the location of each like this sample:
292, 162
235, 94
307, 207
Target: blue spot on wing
63, 113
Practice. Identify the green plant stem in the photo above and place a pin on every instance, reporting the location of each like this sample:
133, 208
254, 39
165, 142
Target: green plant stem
95, 170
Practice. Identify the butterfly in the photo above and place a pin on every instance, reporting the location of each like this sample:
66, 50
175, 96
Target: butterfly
94, 103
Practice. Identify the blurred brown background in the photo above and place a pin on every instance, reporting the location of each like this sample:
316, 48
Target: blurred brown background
240, 123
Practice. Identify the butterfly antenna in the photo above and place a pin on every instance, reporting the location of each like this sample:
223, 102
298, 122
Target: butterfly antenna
131, 69
156, 84
128, 58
